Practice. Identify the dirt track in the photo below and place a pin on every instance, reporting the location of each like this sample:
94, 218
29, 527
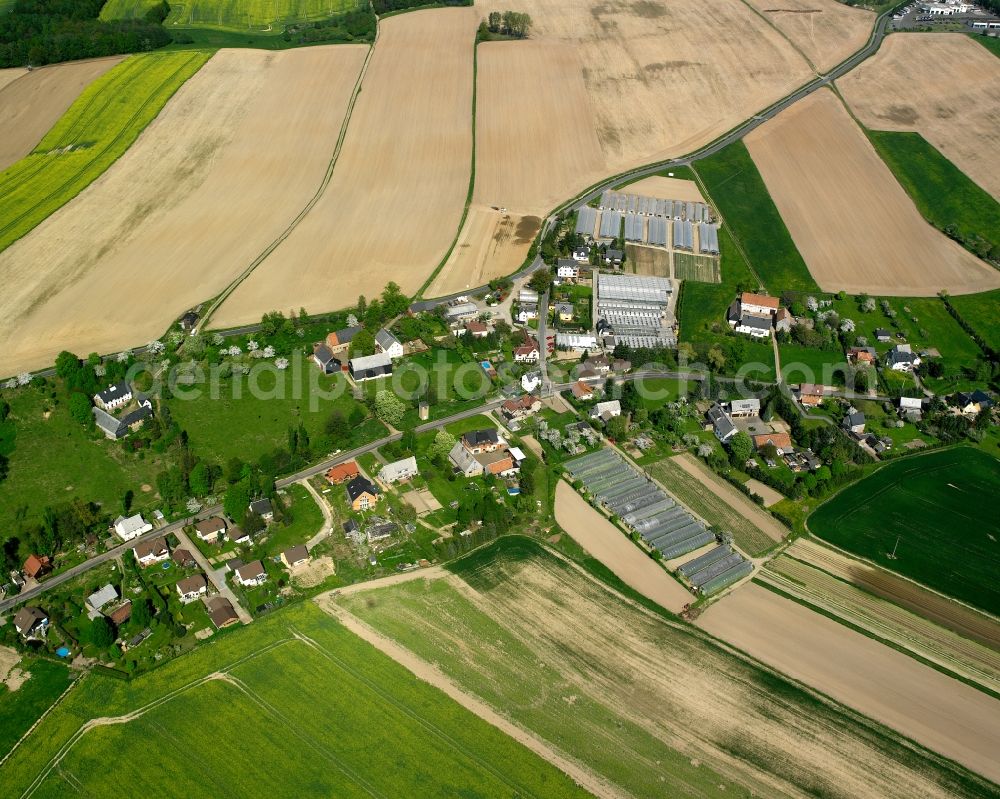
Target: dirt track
937, 711
610, 546
400, 183
32, 102
942, 85
227, 164
855, 226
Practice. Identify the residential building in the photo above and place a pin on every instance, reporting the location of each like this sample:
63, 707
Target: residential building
971, 403
854, 421
565, 311
613, 257
531, 380
369, 367
189, 321
783, 320
568, 268
362, 494
581, 254
153, 551
325, 358
810, 395
902, 359
396, 471
221, 612
755, 326
115, 396
477, 329
339, 342
103, 596
191, 588
36, 566
861, 355
621, 366
911, 407
464, 461
499, 464
263, 508
295, 556
882, 335
131, 527
251, 574
342, 472
121, 614
582, 391
722, 425
758, 304
183, 558
119, 428
521, 407
388, 344
743, 408
480, 441
527, 353
238, 535
605, 411
781, 441
526, 311
31, 621
209, 530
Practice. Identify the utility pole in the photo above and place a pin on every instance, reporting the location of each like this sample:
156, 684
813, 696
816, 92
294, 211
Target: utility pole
892, 555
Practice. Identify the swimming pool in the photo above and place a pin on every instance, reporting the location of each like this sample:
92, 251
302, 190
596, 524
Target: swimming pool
62, 652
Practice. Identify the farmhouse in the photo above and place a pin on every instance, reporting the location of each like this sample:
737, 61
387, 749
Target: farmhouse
464, 461
528, 353
480, 441
369, 367
500, 464
31, 622
901, 358
613, 257
721, 424
861, 355
209, 530
342, 472
755, 315
36, 566
251, 574
191, 588
362, 494
117, 395
606, 411
132, 527
153, 551
262, 507
971, 403
327, 361
783, 320
387, 344
782, 442
759, 304
103, 596
521, 408
119, 428
339, 342
399, 470
744, 408
295, 556
854, 421
121, 614
220, 611
637, 308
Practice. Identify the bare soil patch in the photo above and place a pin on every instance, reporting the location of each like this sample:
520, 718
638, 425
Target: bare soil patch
423, 501
31, 102
227, 164
827, 31
10, 675
937, 711
665, 188
855, 226
765, 492
611, 547
945, 87
400, 184
315, 571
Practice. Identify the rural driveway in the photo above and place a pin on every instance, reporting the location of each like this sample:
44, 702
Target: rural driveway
217, 576
327, 516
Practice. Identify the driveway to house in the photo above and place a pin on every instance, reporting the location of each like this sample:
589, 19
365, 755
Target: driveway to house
327, 516
216, 576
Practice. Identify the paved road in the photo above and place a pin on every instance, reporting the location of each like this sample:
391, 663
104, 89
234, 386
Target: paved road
217, 576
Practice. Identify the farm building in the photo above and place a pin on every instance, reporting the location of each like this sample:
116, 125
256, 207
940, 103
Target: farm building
743, 408
781, 442
117, 395
683, 235
637, 308
387, 344
611, 225
657, 232
369, 367
339, 341
634, 228
576, 341
325, 359
461, 310
119, 428
708, 239
716, 569
586, 222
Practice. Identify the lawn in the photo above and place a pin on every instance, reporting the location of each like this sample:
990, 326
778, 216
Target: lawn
980, 312
21, 708
240, 15
945, 196
993, 45
941, 507
810, 365
323, 714
248, 418
739, 193
307, 520
735, 271
53, 459
96, 130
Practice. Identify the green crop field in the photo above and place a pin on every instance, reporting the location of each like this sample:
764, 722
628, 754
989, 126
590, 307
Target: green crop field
241, 15
735, 271
738, 191
696, 267
993, 45
945, 196
293, 706
652, 706
21, 708
980, 312
942, 508
96, 130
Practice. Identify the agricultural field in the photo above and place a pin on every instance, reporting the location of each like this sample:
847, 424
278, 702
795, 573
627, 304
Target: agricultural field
811, 365
968, 659
96, 130
34, 101
944, 195
328, 713
696, 267
736, 189
939, 507
953, 719
944, 86
753, 529
853, 223
980, 312
400, 182
825, 31
666, 188
27, 689
235, 142
609, 684
240, 15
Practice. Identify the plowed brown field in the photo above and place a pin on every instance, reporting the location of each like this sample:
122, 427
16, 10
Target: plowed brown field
400, 183
228, 163
941, 85
855, 226
31, 102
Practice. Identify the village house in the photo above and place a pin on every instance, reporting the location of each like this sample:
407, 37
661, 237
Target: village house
854, 421
370, 367
499, 464
598, 364
526, 311
720, 423
387, 344
744, 408
582, 391
396, 471
183, 558
342, 472
911, 408
531, 380
782, 442
251, 574
564, 311
613, 257
464, 461
477, 329
971, 403
238, 535
31, 622
621, 365
100, 598
882, 336
339, 342
36, 566
115, 396
902, 359
521, 407
119, 428
153, 551
263, 508
221, 612
753, 314
581, 254
567, 268
295, 556
191, 588
810, 395
861, 355
121, 614
362, 493
327, 361
209, 530
131, 527
527, 353
606, 411
189, 321
783, 320
480, 441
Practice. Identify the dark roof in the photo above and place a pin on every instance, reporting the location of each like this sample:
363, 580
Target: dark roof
720, 421
261, 507
613, 254
854, 419
978, 396
566, 262
114, 392
475, 438
235, 563
27, 617
881, 332
220, 611
758, 322
360, 485
144, 411
385, 339
350, 526
209, 526
183, 556
344, 336
899, 356
323, 354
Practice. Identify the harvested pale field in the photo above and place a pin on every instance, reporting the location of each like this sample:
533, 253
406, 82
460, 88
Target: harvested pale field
648, 706
613, 548
887, 621
855, 226
765, 492
941, 713
31, 102
665, 188
649, 260
964, 620
942, 85
826, 31
219, 174
400, 184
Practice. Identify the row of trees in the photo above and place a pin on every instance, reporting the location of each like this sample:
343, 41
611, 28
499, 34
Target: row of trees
514, 24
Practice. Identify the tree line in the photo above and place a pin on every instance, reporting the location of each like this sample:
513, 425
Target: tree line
514, 24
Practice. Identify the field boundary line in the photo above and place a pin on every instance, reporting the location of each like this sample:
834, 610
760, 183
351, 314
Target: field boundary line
786, 37
41, 718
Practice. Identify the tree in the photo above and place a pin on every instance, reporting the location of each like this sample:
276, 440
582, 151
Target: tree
617, 428
142, 614
127, 498
101, 633
79, 409
389, 408
526, 481
363, 343
541, 280
237, 501
741, 447
234, 470
337, 425
442, 444
200, 480
494, 22
67, 364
